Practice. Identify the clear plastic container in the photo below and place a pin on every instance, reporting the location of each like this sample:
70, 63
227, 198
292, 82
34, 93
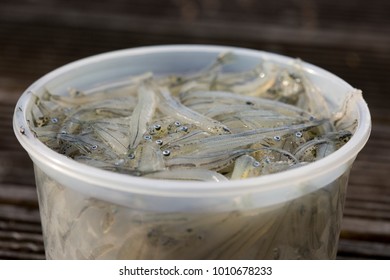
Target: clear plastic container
88, 213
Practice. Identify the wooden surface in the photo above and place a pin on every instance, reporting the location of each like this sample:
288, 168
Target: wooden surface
349, 38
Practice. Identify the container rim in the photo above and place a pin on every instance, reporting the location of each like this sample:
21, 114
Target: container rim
124, 183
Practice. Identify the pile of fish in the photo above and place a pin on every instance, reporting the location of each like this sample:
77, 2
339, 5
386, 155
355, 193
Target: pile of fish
211, 125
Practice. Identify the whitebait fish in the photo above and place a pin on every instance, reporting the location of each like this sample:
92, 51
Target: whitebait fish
207, 74
113, 136
311, 99
229, 142
77, 97
208, 160
320, 147
210, 124
255, 82
151, 159
170, 106
245, 166
231, 98
142, 114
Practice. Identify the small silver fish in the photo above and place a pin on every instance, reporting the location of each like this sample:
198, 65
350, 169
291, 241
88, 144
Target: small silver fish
245, 166
142, 114
171, 106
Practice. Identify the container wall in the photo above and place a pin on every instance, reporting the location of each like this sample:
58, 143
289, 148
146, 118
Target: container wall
79, 227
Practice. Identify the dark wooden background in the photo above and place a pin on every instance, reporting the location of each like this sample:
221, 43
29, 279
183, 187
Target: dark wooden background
349, 38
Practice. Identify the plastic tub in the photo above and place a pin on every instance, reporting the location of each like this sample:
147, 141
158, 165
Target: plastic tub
88, 213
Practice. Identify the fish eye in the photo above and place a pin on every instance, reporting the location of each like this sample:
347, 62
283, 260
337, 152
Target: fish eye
298, 134
277, 138
131, 156
166, 153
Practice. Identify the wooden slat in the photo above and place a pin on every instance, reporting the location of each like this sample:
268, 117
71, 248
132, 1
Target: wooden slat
21, 246
22, 236
15, 165
357, 249
18, 195
296, 13
18, 255
365, 229
18, 213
